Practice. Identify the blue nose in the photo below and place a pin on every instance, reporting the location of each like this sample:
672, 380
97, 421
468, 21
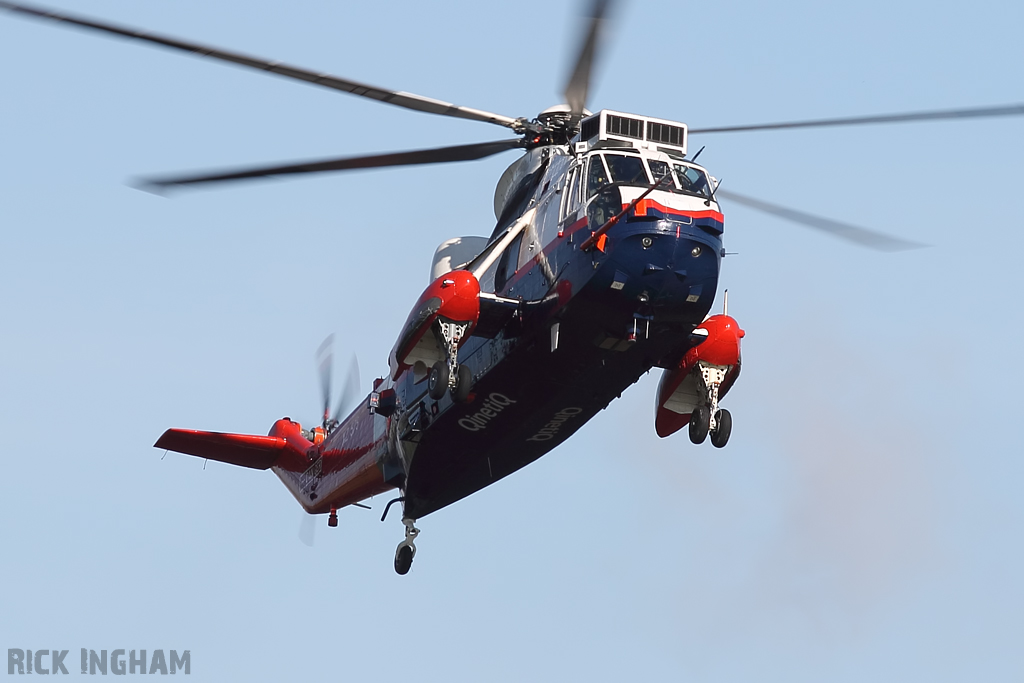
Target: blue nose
668, 268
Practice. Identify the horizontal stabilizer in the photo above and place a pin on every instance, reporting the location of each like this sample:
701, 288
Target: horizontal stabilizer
244, 450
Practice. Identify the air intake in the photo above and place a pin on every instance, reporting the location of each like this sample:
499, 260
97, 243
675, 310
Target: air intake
614, 128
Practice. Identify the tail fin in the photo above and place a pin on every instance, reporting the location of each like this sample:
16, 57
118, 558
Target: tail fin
244, 450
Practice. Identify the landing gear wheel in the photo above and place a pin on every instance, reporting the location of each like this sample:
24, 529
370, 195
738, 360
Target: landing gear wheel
463, 383
403, 558
720, 436
700, 422
406, 549
437, 383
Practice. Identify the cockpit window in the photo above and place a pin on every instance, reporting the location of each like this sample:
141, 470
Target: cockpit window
689, 180
659, 169
628, 170
692, 180
597, 176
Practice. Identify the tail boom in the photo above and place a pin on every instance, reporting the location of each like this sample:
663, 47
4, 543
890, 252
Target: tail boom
339, 471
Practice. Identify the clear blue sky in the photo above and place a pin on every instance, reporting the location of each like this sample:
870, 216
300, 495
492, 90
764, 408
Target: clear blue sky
864, 523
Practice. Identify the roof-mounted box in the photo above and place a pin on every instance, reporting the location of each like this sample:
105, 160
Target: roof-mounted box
642, 132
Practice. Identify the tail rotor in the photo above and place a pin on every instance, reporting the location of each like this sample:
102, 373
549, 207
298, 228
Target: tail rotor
307, 529
325, 365
329, 419
350, 389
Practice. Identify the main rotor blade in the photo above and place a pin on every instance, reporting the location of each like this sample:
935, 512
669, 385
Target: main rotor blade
478, 150
976, 113
852, 233
579, 81
400, 99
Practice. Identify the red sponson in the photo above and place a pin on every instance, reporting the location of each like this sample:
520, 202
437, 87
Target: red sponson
454, 296
459, 292
721, 347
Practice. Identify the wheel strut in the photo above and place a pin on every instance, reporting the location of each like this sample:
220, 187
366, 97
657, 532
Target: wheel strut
406, 550
707, 418
448, 375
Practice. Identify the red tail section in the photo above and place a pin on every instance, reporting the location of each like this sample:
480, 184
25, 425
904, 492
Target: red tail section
323, 474
245, 450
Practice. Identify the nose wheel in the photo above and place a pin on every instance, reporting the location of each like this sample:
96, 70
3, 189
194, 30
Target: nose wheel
406, 549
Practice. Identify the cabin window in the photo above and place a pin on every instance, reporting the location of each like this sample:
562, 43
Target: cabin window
568, 193
627, 170
507, 263
577, 189
564, 203
597, 176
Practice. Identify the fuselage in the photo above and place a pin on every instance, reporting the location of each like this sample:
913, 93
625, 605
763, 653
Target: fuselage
588, 324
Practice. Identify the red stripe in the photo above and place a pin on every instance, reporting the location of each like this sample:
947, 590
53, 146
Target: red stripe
644, 205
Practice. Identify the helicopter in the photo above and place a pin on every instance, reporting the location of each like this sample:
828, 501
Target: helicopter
603, 264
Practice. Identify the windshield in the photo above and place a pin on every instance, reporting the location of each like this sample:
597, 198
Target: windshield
623, 169
659, 169
692, 180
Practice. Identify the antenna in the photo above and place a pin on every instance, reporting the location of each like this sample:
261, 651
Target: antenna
725, 305
714, 188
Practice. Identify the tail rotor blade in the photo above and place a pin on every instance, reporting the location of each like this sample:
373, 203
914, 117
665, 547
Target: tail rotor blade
307, 529
349, 392
325, 365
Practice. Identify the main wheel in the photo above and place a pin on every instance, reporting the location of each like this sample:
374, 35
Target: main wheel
700, 421
463, 383
437, 383
403, 559
720, 436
